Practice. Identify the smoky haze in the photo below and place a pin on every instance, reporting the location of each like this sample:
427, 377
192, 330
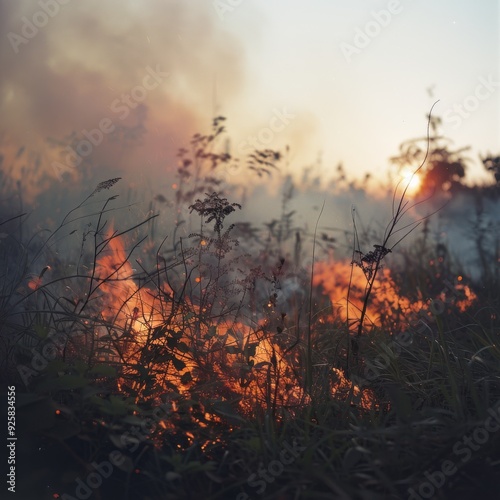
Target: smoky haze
146, 69
93, 90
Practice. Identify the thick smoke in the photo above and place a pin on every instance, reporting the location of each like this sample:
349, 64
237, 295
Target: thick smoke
132, 78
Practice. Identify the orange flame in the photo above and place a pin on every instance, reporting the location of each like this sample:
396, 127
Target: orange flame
126, 305
234, 361
340, 279
387, 306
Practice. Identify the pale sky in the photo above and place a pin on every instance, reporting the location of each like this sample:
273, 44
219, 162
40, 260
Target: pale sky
360, 106
338, 80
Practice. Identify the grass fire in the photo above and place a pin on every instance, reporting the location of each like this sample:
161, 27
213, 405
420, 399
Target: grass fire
192, 308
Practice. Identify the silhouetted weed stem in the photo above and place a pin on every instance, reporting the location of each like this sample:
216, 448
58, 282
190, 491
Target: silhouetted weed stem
371, 262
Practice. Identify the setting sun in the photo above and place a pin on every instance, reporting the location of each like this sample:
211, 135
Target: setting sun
412, 180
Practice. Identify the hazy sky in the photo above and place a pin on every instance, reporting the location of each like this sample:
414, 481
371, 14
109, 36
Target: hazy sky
359, 102
337, 80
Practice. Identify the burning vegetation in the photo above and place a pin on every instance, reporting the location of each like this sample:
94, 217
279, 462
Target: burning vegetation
197, 362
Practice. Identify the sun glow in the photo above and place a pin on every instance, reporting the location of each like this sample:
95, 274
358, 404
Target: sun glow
412, 180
